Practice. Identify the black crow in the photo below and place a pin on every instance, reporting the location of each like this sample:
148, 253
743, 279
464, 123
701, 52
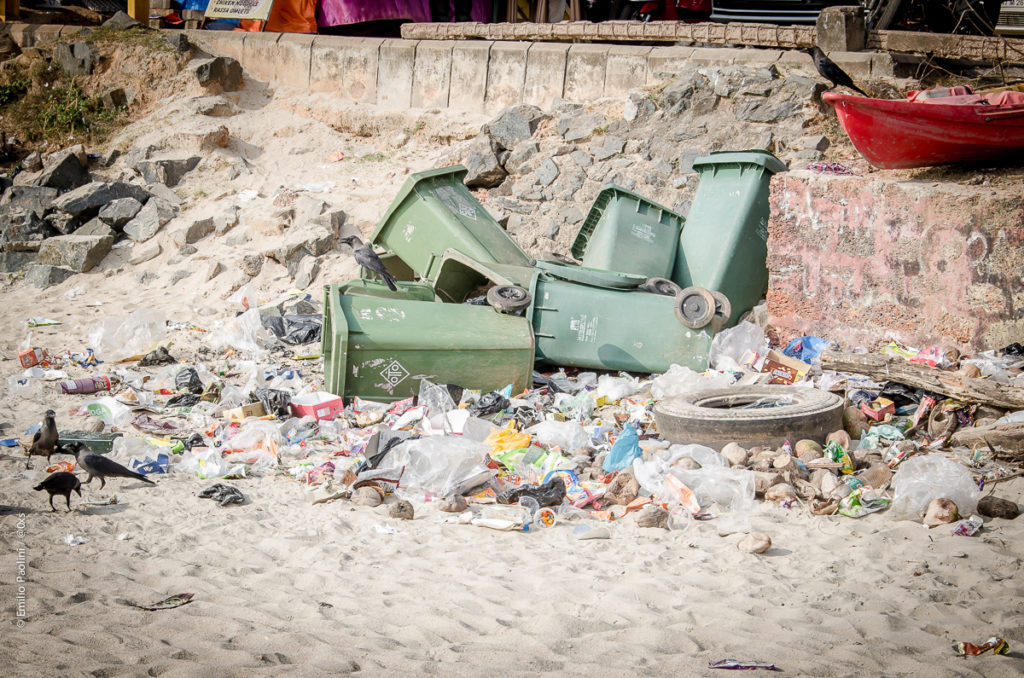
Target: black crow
830, 71
368, 259
45, 440
60, 483
100, 466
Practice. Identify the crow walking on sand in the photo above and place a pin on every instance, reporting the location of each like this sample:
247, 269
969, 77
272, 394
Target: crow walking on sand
44, 442
830, 71
368, 259
99, 466
60, 483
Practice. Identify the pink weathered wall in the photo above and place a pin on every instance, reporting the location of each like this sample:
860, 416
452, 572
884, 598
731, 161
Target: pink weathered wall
860, 260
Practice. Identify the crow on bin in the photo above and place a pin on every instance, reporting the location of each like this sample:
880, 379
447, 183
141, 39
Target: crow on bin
368, 259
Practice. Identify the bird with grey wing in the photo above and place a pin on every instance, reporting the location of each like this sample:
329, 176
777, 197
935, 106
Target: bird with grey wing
99, 466
368, 259
62, 483
44, 442
831, 71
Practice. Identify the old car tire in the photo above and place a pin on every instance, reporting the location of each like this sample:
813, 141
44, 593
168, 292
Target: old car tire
713, 417
662, 286
508, 298
695, 307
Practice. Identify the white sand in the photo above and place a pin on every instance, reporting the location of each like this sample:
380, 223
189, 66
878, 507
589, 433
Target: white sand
286, 587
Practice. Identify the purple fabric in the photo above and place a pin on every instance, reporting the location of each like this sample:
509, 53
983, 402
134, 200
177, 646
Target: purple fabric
340, 12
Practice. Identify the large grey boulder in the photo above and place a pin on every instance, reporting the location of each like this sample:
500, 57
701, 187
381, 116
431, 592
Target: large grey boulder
219, 74
167, 171
150, 219
95, 227
18, 225
37, 199
44, 275
484, 169
213, 106
514, 124
80, 253
119, 212
12, 262
77, 58
65, 169
86, 201
198, 230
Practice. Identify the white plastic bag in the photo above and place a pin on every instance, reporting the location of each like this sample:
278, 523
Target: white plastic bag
681, 380
616, 388
567, 435
244, 333
735, 341
438, 464
115, 339
705, 456
110, 411
919, 480
728, 491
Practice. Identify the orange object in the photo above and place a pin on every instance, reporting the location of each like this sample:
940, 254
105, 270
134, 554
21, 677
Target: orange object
32, 356
683, 494
64, 466
637, 504
292, 16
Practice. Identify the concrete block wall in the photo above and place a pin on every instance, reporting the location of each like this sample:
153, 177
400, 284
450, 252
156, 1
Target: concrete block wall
861, 260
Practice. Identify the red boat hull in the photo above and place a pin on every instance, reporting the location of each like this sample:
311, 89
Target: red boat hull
900, 134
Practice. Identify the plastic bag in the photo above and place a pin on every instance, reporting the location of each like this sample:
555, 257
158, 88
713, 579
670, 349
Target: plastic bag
507, 438
110, 411
295, 329
274, 402
681, 380
580, 406
245, 334
727, 490
614, 389
116, 339
438, 464
188, 380
487, 404
735, 341
921, 479
624, 451
807, 349
566, 435
705, 456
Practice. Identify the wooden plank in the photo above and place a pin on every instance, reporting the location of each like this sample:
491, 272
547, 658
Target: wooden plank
952, 384
1006, 436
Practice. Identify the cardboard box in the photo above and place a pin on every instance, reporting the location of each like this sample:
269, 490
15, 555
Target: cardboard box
878, 408
32, 356
783, 369
319, 405
250, 410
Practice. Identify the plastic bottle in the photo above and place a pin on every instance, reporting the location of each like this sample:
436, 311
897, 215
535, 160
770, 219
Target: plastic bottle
87, 385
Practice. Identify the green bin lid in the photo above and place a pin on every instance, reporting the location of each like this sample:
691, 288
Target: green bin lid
752, 157
456, 172
597, 210
592, 276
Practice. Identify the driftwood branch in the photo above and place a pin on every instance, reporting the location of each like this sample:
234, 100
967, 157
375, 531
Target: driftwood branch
951, 384
1009, 437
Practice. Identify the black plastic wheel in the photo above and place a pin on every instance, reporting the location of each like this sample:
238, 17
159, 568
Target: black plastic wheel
695, 307
662, 286
508, 298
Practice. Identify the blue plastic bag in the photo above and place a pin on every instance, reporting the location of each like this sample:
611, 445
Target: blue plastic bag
624, 451
806, 349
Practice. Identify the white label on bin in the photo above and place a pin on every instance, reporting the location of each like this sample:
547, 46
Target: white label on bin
455, 201
643, 232
394, 373
762, 230
409, 230
584, 327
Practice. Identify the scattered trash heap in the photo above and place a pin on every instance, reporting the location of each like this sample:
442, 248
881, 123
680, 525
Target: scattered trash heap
578, 448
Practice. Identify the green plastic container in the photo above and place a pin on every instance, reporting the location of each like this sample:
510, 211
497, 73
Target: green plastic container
379, 344
459, 278
612, 328
435, 212
723, 246
629, 233
100, 443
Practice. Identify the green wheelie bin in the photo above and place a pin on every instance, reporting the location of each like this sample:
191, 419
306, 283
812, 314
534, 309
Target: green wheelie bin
723, 247
434, 212
626, 232
378, 344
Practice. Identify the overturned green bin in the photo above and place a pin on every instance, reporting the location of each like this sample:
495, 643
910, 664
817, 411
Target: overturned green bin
603, 320
379, 344
626, 232
723, 246
435, 212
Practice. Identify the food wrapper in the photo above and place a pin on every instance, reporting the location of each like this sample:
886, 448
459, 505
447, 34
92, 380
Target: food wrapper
997, 645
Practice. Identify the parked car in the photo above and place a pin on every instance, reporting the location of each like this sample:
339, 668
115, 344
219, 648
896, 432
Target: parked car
976, 17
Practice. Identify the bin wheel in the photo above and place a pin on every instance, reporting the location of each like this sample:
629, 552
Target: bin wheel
723, 310
508, 298
695, 307
662, 286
